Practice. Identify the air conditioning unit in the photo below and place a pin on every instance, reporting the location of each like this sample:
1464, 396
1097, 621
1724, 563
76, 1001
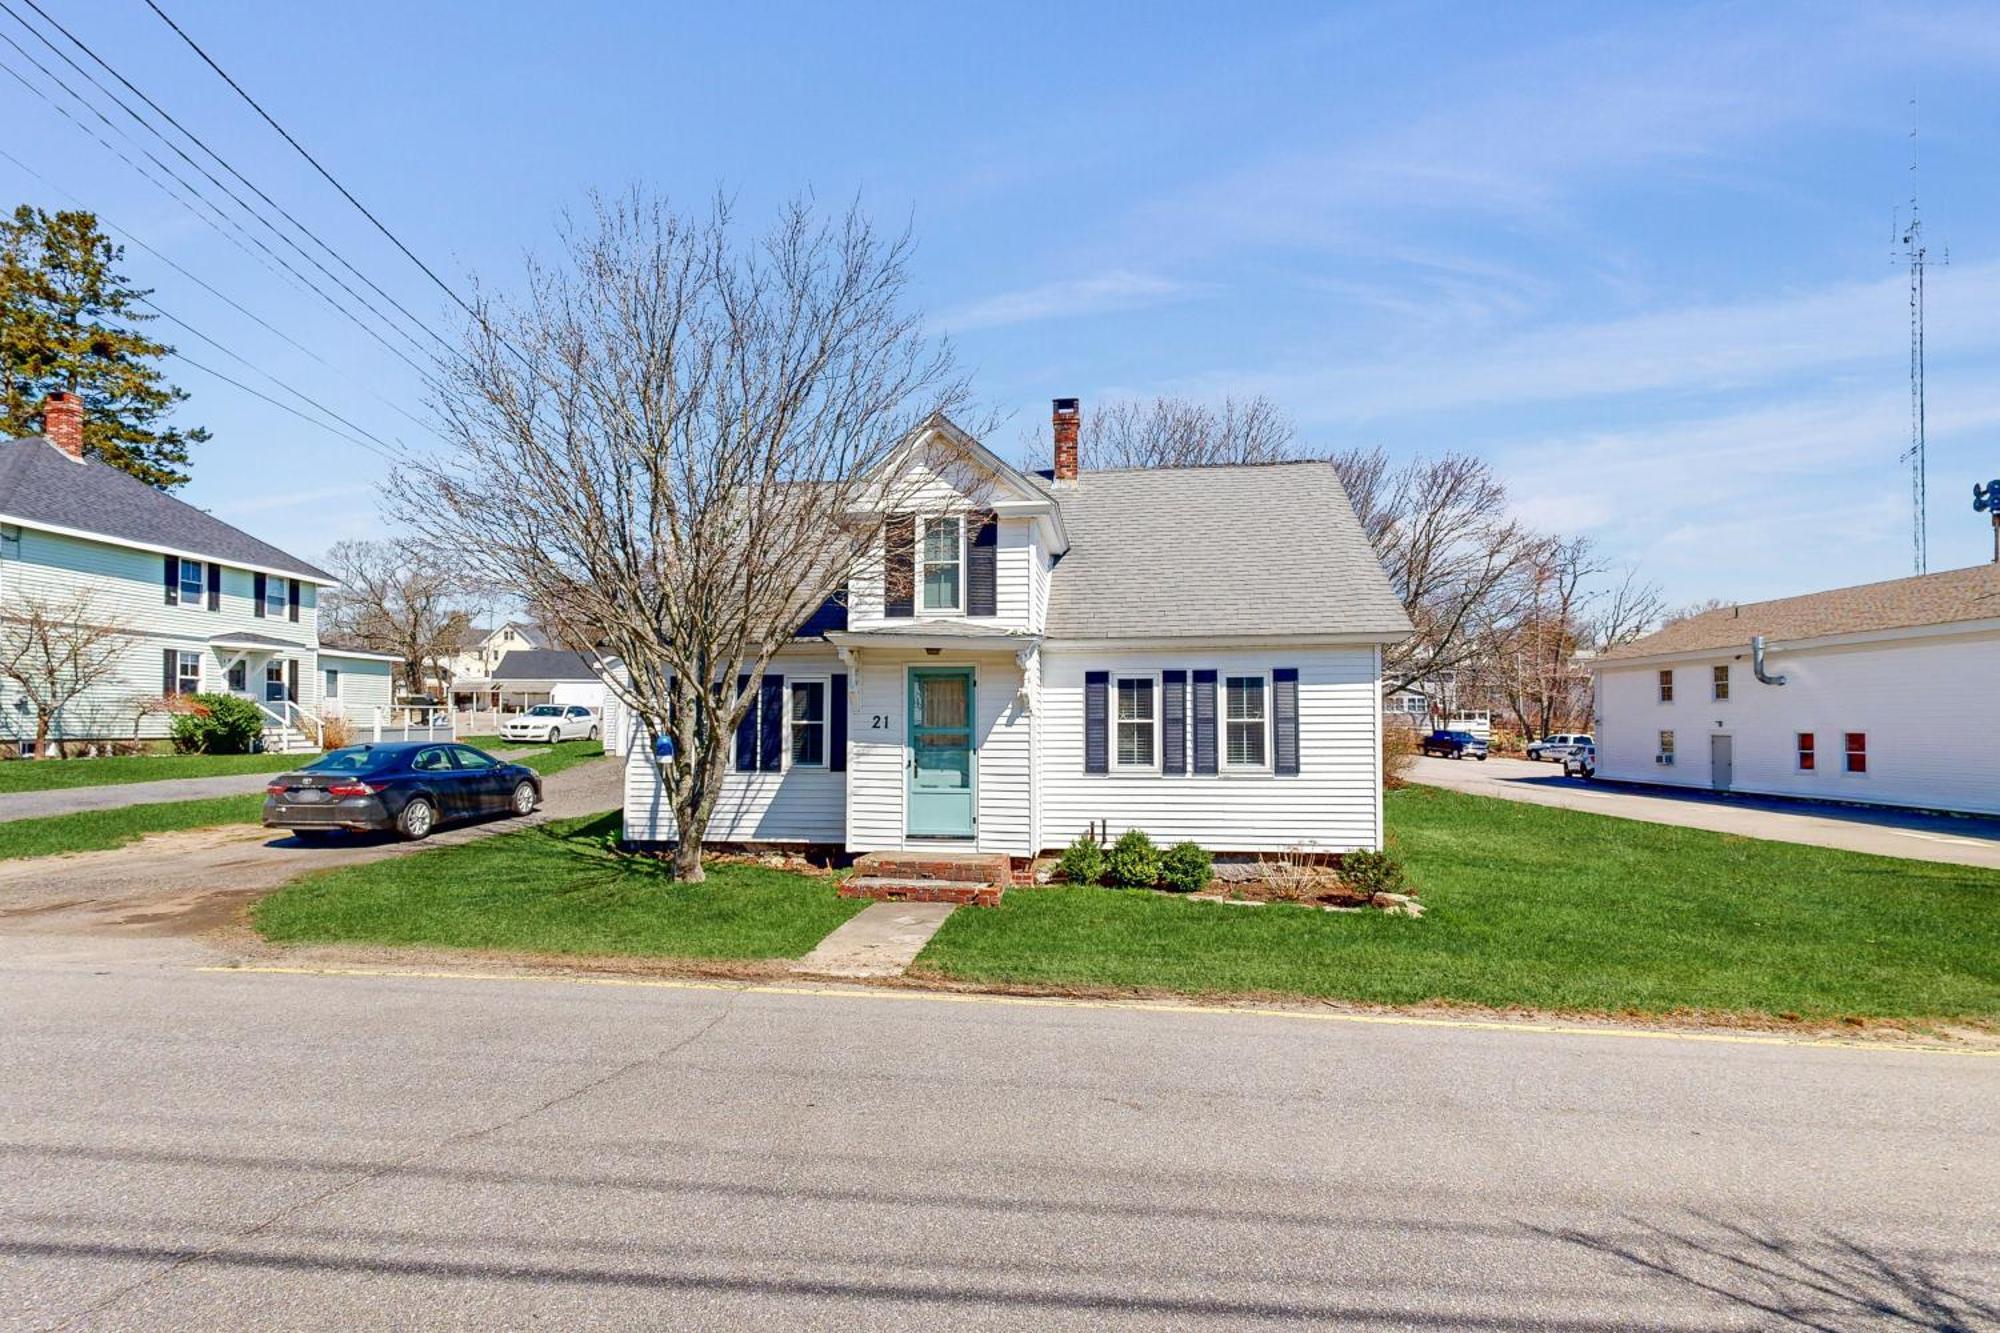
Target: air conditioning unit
1666, 759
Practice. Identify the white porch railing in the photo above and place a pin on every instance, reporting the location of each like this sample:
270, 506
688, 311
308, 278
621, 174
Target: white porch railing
412, 722
289, 717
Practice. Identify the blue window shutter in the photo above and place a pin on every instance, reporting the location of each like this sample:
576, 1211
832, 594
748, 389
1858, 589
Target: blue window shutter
263, 586
899, 569
1173, 722
1096, 706
292, 596
1204, 723
1285, 714
981, 565
746, 732
214, 586
836, 722
771, 704
172, 567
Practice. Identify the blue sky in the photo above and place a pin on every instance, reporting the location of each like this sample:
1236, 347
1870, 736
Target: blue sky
1640, 257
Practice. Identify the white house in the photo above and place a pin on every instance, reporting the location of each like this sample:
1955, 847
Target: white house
201, 606
525, 677
1193, 652
482, 648
1866, 694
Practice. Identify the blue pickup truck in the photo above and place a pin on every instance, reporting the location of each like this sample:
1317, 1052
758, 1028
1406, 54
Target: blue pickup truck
1455, 745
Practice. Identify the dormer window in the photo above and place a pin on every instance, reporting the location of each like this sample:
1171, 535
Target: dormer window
942, 576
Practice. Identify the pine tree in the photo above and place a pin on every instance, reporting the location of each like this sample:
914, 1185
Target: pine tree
69, 320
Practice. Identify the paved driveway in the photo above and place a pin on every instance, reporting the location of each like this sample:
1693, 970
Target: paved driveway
203, 1150
1916, 837
175, 883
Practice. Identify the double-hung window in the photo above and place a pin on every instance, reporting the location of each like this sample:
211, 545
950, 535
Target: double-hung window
276, 591
1720, 677
1246, 722
944, 563
1666, 687
187, 671
1137, 741
194, 583
1808, 756
1857, 751
1666, 751
808, 723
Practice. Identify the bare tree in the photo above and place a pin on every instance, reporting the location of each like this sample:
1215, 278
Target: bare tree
1181, 432
678, 444
402, 598
55, 651
1459, 563
1693, 609
1539, 663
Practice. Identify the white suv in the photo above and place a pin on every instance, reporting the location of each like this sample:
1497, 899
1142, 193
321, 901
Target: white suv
551, 722
1557, 747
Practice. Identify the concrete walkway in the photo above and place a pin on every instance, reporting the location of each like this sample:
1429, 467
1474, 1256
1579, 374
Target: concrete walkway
881, 941
117, 795
1967, 841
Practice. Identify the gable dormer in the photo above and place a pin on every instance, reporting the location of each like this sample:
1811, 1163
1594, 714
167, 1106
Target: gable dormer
963, 537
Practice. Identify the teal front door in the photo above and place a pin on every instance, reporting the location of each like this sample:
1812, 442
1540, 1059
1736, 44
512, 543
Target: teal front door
941, 753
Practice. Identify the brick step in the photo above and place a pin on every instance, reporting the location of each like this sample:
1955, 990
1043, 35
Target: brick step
960, 867
885, 889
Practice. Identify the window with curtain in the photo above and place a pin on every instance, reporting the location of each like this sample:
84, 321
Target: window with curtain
1245, 720
942, 559
808, 723
1138, 722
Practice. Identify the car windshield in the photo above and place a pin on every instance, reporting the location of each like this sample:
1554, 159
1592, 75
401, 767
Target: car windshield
360, 759
545, 710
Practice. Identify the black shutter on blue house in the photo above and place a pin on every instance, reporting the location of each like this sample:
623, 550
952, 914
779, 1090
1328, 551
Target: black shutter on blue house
836, 723
172, 568
746, 732
1285, 714
1096, 706
263, 582
899, 570
292, 597
981, 562
214, 586
292, 680
1204, 723
771, 732
171, 681
1173, 723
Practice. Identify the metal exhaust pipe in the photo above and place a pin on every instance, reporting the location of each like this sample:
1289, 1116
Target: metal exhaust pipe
1757, 662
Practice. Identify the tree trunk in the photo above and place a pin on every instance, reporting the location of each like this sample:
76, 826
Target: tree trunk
695, 805
41, 734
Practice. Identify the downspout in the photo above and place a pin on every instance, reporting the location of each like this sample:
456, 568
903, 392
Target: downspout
1757, 662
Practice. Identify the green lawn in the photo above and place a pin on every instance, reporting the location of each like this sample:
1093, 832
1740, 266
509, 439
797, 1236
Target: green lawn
1543, 908
55, 774
95, 830
556, 890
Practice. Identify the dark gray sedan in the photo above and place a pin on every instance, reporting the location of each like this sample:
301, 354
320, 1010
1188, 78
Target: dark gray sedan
406, 787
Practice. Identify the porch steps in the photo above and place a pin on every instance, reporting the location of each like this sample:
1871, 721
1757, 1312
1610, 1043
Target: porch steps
287, 740
881, 889
929, 877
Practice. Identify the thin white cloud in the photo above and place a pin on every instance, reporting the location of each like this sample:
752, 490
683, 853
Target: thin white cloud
1117, 289
260, 504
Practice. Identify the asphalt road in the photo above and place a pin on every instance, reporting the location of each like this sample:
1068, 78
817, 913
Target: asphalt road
178, 883
189, 1149
1908, 834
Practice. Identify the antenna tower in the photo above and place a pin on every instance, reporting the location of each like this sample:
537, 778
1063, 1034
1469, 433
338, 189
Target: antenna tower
1917, 256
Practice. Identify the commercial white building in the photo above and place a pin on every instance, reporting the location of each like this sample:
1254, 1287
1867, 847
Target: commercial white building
1872, 694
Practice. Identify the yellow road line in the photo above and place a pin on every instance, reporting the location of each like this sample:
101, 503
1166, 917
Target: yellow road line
1140, 1006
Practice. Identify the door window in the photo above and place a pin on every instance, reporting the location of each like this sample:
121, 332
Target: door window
274, 683
437, 759
239, 676
942, 732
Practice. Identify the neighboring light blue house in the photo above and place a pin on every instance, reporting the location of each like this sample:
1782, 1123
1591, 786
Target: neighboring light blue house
205, 607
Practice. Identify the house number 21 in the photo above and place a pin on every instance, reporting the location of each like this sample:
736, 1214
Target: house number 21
878, 722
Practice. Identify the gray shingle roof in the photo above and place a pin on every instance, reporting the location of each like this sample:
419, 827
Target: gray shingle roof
544, 664
41, 484
1189, 552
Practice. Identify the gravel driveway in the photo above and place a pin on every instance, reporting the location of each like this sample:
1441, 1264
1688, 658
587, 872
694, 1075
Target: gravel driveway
182, 883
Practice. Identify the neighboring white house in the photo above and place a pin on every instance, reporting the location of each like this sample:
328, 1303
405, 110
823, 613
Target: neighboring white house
1193, 652
1879, 700
529, 676
482, 648
205, 606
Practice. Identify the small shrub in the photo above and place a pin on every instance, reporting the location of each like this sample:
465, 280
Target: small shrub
1133, 862
1296, 875
335, 734
1186, 868
218, 724
1399, 751
1374, 872
1082, 862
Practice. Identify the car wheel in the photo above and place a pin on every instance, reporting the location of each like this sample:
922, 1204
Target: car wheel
592, 735
554, 736
1480, 757
524, 798
419, 817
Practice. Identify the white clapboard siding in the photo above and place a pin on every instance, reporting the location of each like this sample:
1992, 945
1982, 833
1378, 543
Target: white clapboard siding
1907, 694
125, 589
1332, 804
365, 686
796, 805
878, 764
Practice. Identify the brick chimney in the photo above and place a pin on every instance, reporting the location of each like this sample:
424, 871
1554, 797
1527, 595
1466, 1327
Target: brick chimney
1068, 416
62, 423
